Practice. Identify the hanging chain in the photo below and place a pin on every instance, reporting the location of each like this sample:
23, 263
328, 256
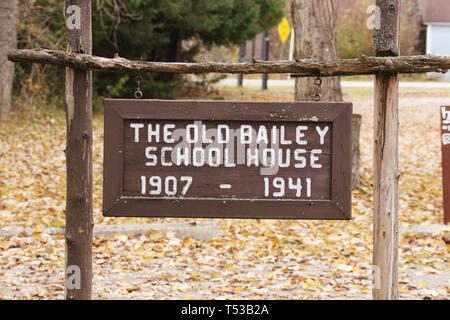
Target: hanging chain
139, 81
138, 93
318, 82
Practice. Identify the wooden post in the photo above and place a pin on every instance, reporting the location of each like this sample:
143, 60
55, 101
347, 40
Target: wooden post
386, 175
79, 220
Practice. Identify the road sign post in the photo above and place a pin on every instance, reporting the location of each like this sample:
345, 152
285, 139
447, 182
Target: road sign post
265, 47
284, 30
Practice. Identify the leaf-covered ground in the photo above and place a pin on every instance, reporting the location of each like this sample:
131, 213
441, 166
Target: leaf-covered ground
253, 259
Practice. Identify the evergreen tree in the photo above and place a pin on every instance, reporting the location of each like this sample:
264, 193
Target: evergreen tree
172, 30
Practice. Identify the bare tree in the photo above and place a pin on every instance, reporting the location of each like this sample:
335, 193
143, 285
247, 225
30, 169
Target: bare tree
8, 40
316, 38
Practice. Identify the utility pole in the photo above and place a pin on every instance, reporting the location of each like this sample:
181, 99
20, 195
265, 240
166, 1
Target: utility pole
265, 48
240, 76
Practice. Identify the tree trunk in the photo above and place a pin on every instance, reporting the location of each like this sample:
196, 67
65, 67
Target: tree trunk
315, 38
8, 40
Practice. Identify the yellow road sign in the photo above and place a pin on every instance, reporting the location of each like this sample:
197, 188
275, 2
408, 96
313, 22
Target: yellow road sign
284, 29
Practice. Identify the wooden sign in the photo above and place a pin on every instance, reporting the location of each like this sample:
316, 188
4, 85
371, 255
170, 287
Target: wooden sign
211, 159
445, 127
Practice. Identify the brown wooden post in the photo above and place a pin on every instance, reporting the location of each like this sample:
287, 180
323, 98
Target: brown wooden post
79, 220
386, 174
445, 140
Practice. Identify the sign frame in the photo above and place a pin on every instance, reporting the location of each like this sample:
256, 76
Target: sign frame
119, 110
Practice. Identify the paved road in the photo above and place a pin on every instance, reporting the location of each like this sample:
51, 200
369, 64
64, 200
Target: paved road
348, 84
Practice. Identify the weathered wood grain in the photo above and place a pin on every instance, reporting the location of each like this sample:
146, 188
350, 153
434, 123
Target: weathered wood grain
300, 67
386, 174
79, 219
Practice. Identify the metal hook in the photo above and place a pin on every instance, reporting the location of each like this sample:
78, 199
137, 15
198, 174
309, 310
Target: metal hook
138, 93
317, 97
139, 80
318, 82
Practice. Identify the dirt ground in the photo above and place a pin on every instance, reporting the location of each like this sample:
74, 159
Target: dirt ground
253, 259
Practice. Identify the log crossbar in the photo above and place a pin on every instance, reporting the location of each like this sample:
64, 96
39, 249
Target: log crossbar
365, 65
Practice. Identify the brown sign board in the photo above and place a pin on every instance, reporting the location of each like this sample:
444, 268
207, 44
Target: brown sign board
225, 159
445, 130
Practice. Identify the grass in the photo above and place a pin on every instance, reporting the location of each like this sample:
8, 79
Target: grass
36, 114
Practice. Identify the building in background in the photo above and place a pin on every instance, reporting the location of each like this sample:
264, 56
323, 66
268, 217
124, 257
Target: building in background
436, 18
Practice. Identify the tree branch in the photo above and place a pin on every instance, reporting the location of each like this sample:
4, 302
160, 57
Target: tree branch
301, 67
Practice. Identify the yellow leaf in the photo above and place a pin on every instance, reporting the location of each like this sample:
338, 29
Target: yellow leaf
302, 253
121, 237
152, 256
362, 288
37, 233
177, 287
345, 267
4, 244
272, 275
225, 289
194, 276
140, 251
275, 241
216, 275
156, 235
20, 197
60, 223
38, 230
230, 267
308, 285
402, 289
188, 241
110, 248
422, 284
297, 280
43, 293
